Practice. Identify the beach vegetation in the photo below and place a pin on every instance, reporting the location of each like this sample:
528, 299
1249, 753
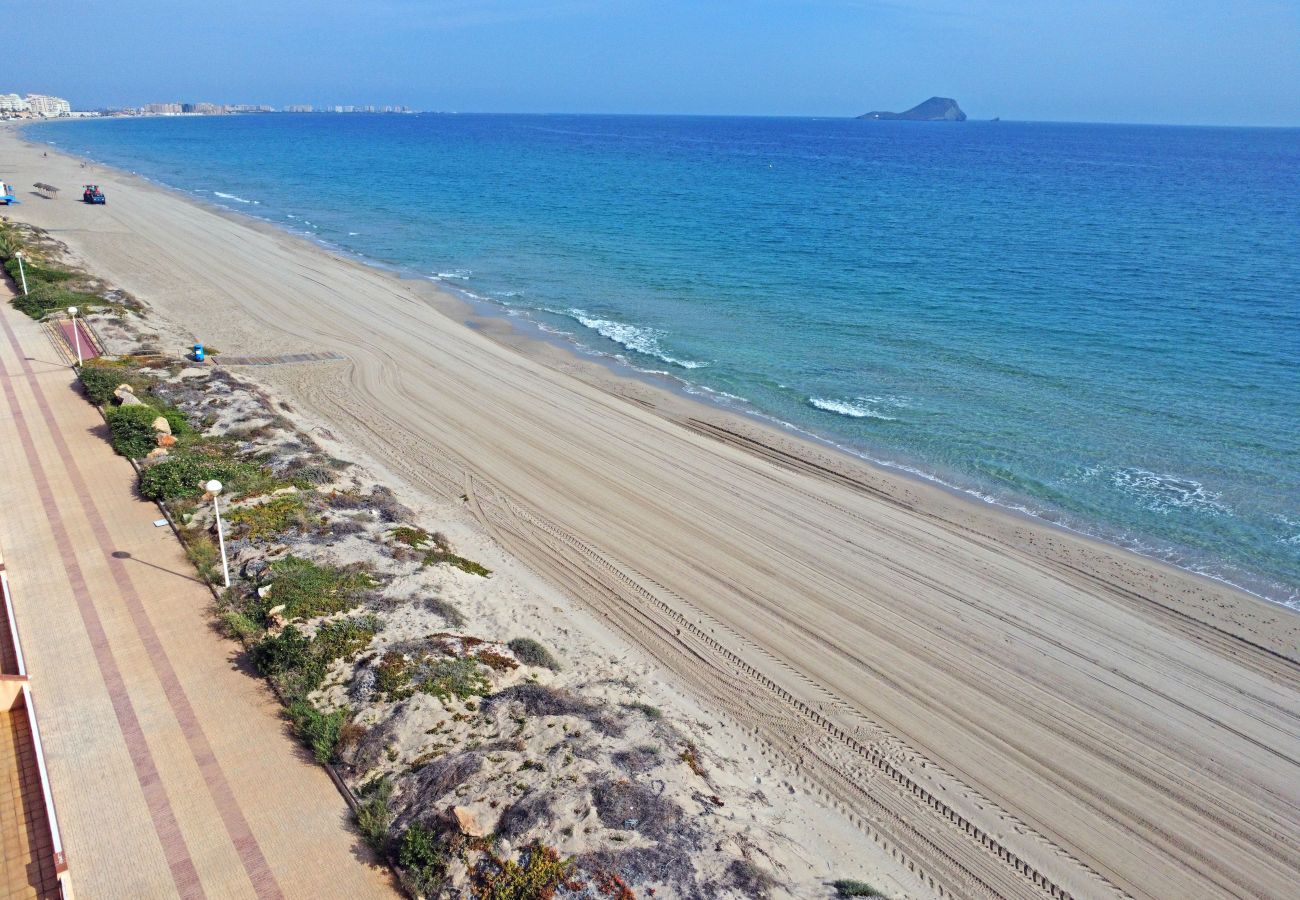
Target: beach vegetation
533, 653
238, 625
131, 431
280, 654
318, 730
691, 756
266, 520
298, 664
308, 590
182, 475
344, 638
100, 380
439, 556
750, 880
393, 677
373, 814
415, 538
498, 662
422, 859
203, 553
850, 887
535, 876
45, 297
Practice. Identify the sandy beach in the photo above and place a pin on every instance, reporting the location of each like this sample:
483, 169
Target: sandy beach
1001, 707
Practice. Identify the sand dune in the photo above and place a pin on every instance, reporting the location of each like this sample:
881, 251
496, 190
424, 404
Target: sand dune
1016, 711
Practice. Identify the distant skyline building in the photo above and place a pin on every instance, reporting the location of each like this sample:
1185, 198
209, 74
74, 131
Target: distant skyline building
39, 105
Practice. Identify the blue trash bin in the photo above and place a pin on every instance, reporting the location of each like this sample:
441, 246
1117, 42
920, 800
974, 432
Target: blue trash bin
198, 353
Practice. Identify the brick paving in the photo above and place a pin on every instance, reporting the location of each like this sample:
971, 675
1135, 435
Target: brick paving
172, 769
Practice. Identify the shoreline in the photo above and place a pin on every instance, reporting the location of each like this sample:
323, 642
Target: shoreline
524, 333
1058, 694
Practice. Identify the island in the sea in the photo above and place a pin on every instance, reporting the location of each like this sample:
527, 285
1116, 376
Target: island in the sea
936, 109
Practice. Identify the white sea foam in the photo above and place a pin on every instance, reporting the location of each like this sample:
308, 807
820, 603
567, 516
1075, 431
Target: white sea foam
353, 233
1165, 494
634, 337
857, 408
225, 196
458, 274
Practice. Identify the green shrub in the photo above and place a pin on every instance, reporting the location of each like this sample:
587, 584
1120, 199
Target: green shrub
455, 677
393, 677
435, 557
100, 381
319, 730
397, 678
848, 887
238, 625
416, 538
43, 297
535, 877
131, 429
203, 553
308, 590
373, 814
35, 272
268, 519
531, 652
277, 654
344, 638
422, 859
176, 419
184, 474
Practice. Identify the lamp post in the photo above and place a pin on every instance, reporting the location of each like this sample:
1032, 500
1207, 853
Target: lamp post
76, 332
213, 487
21, 274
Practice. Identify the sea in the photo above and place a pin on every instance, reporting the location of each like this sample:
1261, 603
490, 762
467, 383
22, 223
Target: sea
1098, 325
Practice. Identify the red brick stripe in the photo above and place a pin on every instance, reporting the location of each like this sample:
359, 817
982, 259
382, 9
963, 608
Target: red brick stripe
232, 816
175, 850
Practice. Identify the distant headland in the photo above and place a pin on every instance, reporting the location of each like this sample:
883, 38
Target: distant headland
936, 109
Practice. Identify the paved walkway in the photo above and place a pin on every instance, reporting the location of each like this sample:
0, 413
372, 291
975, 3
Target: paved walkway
173, 772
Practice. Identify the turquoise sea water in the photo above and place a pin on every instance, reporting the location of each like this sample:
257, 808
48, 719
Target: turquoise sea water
1096, 324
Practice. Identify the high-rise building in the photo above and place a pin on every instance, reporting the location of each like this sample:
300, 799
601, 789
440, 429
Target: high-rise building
12, 103
48, 107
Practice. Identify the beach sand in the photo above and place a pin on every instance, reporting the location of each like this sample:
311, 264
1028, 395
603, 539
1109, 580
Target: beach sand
1006, 708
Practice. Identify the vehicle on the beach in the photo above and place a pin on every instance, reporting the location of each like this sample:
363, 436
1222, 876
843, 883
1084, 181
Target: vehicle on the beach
92, 194
7, 194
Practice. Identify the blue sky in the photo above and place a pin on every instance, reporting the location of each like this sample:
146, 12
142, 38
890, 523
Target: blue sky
1220, 62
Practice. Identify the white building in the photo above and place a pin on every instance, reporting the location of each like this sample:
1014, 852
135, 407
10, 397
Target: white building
48, 107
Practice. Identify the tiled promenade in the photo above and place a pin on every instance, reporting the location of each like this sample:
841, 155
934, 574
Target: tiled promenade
172, 771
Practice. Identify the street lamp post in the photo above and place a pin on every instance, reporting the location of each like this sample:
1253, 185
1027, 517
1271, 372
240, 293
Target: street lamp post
76, 332
21, 273
213, 487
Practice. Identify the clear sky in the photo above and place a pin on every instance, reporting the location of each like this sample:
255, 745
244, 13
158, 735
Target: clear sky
1166, 61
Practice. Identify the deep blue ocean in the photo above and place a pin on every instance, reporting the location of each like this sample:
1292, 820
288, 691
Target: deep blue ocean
1096, 324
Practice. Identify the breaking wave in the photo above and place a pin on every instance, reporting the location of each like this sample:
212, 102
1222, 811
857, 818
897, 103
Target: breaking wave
858, 407
633, 337
1167, 493
237, 199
